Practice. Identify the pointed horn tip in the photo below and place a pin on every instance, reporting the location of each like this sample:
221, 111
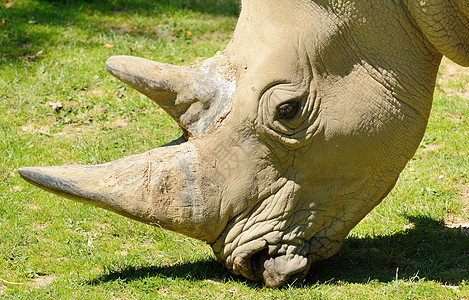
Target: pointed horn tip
37, 176
127, 66
33, 175
27, 173
118, 62
46, 178
113, 63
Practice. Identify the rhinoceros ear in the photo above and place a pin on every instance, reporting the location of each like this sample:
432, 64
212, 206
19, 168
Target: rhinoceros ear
196, 97
445, 23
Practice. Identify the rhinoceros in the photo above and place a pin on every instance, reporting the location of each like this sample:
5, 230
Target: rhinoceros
291, 135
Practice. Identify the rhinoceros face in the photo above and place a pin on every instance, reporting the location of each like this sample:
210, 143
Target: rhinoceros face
292, 135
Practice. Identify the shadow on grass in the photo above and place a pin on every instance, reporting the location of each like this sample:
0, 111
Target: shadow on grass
428, 250
209, 270
28, 28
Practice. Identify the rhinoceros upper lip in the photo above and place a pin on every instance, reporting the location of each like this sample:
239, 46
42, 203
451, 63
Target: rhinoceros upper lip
270, 273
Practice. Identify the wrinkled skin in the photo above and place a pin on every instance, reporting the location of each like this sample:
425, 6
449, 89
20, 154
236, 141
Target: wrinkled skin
292, 134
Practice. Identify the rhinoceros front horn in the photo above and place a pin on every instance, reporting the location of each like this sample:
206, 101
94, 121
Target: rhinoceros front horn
161, 187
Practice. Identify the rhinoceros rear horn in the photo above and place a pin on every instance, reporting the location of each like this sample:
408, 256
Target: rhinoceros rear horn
160, 82
196, 97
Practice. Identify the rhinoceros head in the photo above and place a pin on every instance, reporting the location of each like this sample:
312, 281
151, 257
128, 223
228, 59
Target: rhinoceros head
291, 135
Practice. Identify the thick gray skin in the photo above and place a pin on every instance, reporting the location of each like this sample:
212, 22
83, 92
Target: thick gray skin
273, 195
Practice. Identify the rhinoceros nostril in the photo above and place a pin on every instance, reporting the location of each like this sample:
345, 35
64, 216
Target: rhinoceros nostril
257, 264
254, 265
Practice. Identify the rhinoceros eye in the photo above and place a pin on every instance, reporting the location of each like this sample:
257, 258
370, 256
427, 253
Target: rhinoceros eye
287, 110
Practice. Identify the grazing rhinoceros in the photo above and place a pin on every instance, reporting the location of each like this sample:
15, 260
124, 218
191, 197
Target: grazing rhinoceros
291, 135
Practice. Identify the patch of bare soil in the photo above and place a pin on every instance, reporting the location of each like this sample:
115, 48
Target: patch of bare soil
35, 283
121, 122
124, 28
98, 110
449, 72
29, 127
458, 226
41, 281
465, 199
430, 147
93, 92
73, 130
459, 223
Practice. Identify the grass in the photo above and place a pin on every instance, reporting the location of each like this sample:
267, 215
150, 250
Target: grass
59, 106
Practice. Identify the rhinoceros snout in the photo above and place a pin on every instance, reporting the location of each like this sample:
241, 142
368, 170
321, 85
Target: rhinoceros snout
276, 271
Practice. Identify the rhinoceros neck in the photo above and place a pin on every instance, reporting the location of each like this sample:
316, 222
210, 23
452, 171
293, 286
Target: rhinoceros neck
396, 54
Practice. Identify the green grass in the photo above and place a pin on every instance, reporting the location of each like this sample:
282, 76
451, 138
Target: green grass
54, 52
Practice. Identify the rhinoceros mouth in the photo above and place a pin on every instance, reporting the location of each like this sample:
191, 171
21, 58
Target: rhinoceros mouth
277, 264
270, 242
276, 270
